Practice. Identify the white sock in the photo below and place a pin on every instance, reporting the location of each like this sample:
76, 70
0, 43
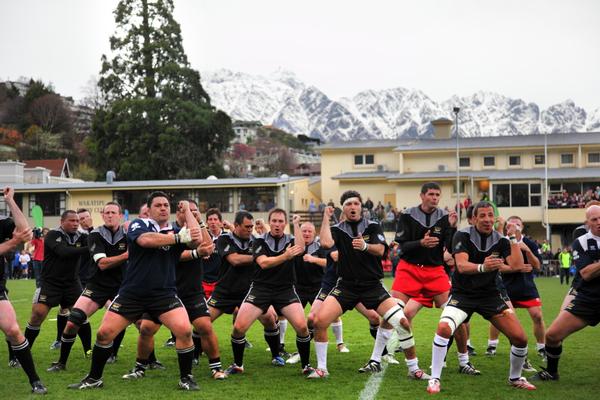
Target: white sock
321, 350
438, 354
338, 331
383, 335
517, 357
282, 328
463, 359
540, 346
493, 343
412, 365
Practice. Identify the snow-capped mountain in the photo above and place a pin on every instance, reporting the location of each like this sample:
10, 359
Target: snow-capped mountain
282, 100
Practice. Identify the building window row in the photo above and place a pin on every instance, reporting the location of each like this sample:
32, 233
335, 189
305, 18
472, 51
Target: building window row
364, 159
517, 194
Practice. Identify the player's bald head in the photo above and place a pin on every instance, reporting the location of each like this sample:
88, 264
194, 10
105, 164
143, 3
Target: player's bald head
592, 211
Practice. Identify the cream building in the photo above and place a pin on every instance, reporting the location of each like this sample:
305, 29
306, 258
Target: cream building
510, 170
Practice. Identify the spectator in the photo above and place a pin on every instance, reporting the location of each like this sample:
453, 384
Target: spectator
368, 204
565, 259
395, 253
16, 264
24, 259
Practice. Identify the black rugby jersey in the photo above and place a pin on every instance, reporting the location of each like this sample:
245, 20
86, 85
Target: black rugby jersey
62, 255
188, 276
330, 276
579, 231
478, 246
235, 280
309, 274
520, 285
212, 264
102, 243
280, 275
412, 226
7, 226
150, 271
355, 265
87, 267
586, 251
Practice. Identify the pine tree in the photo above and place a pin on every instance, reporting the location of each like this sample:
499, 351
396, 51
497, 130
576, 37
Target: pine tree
157, 121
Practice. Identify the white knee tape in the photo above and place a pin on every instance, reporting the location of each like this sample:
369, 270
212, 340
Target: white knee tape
453, 317
393, 317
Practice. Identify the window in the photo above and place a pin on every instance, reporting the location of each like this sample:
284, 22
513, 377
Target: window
514, 161
566, 158
539, 159
593, 158
4, 209
257, 199
489, 161
364, 159
52, 204
214, 198
464, 162
518, 195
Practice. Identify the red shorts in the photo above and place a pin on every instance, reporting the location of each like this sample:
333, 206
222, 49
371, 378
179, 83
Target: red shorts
424, 301
209, 287
416, 281
527, 303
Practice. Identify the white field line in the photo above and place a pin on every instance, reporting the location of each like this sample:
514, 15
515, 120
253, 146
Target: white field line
372, 386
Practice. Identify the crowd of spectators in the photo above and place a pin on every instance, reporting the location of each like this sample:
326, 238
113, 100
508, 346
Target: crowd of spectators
573, 200
26, 262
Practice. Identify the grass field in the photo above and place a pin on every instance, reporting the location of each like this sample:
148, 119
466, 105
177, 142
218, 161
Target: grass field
579, 365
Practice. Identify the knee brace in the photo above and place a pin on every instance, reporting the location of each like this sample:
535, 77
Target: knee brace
453, 317
393, 317
77, 317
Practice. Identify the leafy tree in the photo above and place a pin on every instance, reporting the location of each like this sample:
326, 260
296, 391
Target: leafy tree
157, 122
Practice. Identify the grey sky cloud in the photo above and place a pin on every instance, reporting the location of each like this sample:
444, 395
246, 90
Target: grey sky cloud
540, 51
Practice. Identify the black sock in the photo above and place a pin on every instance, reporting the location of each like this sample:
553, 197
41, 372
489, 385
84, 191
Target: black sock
152, 357
100, 355
303, 345
311, 332
197, 344
141, 363
238, 345
85, 334
373, 330
117, 343
66, 343
450, 341
11, 354
61, 322
272, 339
23, 353
553, 354
185, 357
31, 333
215, 364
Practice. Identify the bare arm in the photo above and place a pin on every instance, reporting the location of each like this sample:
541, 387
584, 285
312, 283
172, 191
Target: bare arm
591, 271
20, 221
239, 260
325, 233
266, 262
464, 266
298, 239
321, 262
110, 262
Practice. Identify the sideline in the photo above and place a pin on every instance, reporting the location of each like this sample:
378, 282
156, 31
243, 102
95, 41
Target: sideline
372, 386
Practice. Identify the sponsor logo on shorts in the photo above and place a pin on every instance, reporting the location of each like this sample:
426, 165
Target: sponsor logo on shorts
115, 306
174, 304
569, 306
336, 292
88, 292
212, 302
453, 302
42, 297
250, 298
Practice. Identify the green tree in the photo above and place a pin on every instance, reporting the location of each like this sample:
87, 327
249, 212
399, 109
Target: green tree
157, 121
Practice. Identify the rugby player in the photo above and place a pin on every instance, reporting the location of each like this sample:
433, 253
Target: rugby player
154, 248
584, 308
480, 252
361, 246
273, 285
63, 248
108, 249
235, 274
12, 233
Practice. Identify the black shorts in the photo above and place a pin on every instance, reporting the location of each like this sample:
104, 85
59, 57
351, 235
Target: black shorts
226, 302
52, 295
572, 291
350, 294
487, 307
504, 294
307, 295
3, 294
587, 310
322, 295
134, 308
98, 294
196, 307
263, 297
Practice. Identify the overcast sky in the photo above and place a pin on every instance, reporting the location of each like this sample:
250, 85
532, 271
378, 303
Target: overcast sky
541, 51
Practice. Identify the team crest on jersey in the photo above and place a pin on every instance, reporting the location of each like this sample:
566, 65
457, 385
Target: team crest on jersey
93, 247
122, 246
366, 237
134, 226
437, 230
257, 250
59, 239
575, 255
77, 244
381, 237
227, 248
458, 246
165, 248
